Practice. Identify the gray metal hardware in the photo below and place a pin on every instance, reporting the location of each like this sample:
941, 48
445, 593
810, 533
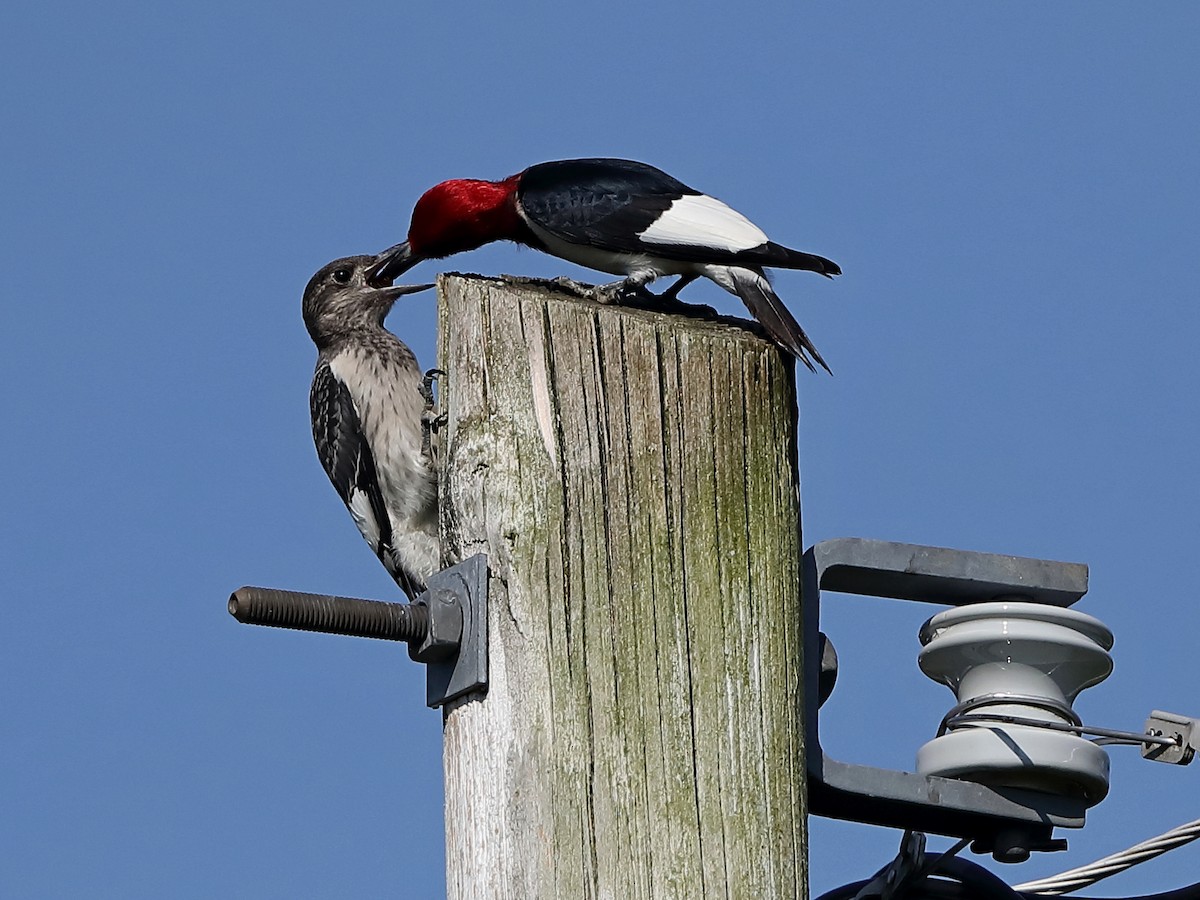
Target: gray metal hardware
1148, 740
940, 575
1182, 732
1007, 822
456, 646
445, 627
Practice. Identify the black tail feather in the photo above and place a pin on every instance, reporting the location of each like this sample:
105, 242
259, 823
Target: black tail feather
787, 258
768, 309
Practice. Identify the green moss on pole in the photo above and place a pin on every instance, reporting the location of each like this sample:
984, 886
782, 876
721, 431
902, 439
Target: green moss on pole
632, 478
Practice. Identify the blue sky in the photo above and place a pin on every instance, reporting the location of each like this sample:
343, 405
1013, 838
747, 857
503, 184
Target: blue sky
1013, 191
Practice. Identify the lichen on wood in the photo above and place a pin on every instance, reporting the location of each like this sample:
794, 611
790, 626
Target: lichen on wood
632, 478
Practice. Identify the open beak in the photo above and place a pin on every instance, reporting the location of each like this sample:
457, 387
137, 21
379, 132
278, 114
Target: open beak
390, 265
399, 290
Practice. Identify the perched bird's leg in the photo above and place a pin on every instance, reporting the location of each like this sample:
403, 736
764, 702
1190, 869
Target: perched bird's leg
630, 291
671, 294
578, 288
668, 301
431, 420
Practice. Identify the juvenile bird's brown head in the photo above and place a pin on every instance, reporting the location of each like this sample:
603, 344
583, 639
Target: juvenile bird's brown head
342, 298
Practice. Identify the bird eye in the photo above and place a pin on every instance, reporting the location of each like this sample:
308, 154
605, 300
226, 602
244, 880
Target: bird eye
341, 276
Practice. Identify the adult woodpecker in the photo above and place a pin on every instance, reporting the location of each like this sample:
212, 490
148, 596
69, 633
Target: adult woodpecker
369, 407
618, 216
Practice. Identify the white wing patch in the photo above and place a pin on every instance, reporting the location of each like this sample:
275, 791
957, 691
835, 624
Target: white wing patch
698, 220
364, 517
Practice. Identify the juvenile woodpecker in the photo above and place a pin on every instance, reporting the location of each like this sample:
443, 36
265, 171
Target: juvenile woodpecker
369, 422
617, 216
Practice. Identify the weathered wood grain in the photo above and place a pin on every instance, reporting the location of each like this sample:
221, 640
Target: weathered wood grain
631, 477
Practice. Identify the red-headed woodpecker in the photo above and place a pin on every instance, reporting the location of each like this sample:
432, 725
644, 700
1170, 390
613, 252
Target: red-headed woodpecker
368, 405
617, 216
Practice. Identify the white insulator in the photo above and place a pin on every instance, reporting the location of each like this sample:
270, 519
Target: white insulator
1024, 660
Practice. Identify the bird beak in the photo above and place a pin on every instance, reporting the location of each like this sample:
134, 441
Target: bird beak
392, 293
390, 265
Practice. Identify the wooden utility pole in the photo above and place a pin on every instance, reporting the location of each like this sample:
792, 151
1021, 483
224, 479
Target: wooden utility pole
632, 479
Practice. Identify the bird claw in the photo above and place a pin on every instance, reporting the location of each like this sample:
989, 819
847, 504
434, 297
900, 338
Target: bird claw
620, 293
431, 419
570, 285
623, 293
678, 307
630, 292
634, 293
431, 375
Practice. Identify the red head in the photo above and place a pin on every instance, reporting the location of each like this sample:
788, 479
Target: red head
453, 217
463, 214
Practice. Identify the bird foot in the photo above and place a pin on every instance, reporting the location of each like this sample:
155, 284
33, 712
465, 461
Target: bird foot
677, 307
626, 292
668, 302
571, 286
431, 419
620, 293
629, 292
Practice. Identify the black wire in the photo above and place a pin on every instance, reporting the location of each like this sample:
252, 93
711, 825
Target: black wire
981, 882
933, 862
845, 892
973, 882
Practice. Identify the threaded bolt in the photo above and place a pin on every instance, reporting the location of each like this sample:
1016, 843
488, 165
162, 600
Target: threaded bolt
331, 615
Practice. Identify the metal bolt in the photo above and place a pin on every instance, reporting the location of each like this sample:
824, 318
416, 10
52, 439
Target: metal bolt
445, 627
331, 615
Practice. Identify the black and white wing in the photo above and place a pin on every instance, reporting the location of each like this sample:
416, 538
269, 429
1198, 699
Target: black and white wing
346, 456
603, 203
622, 206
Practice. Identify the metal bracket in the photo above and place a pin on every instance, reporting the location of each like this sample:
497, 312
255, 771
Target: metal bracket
1008, 822
456, 647
1182, 732
445, 627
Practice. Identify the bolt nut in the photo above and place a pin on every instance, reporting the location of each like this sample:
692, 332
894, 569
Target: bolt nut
445, 627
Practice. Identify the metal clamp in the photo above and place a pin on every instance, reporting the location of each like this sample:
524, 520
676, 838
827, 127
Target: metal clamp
1170, 738
445, 627
1008, 822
